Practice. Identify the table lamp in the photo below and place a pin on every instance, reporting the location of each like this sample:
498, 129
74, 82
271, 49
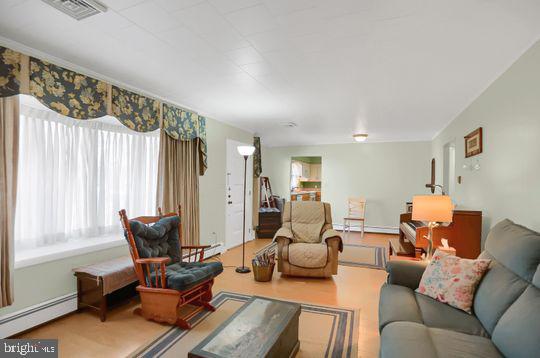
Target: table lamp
433, 209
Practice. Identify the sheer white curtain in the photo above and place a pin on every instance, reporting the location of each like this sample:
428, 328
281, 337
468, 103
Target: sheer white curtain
75, 175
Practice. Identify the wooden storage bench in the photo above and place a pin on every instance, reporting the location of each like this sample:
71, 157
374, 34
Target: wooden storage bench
98, 285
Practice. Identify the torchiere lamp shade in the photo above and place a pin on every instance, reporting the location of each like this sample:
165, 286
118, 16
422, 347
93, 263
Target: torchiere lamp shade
245, 150
432, 208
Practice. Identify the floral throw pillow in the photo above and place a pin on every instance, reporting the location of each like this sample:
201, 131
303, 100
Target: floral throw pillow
452, 280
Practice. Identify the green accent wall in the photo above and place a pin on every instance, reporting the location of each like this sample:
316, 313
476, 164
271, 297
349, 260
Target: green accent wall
309, 160
310, 184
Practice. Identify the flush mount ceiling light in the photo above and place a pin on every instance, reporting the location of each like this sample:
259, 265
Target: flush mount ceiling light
360, 137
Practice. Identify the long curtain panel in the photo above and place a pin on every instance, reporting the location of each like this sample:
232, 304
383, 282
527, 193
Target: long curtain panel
9, 128
257, 170
74, 176
178, 183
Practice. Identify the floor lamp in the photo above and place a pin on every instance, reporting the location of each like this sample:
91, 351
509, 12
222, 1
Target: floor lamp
245, 151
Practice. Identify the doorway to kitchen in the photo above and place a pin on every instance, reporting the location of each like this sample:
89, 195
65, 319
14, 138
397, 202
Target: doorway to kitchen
306, 178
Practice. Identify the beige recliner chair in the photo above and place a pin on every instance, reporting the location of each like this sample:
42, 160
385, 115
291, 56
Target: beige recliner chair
307, 244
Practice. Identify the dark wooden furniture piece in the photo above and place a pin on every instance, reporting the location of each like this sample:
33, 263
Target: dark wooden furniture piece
269, 211
104, 284
262, 327
269, 222
463, 234
313, 196
158, 302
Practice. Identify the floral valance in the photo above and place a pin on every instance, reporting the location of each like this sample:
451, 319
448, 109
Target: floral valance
179, 123
66, 92
203, 150
135, 111
184, 125
79, 96
10, 72
257, 162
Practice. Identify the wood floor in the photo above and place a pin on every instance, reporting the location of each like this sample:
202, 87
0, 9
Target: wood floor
83, 335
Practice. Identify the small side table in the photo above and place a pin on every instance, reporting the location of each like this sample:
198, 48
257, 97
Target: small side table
98, 282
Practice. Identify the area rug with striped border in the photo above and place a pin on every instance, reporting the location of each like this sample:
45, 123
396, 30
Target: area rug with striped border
363, 256
374, 257
323, 331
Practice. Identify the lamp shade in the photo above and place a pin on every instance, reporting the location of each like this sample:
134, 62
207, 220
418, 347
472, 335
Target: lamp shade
245, 149
433, 208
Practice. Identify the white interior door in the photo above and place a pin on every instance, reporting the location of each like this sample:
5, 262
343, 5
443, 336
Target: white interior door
234, 195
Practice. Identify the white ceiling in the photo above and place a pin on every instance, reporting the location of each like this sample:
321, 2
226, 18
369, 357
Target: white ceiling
396, 69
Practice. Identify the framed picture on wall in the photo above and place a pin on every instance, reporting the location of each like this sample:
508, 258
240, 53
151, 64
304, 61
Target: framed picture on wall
473, 143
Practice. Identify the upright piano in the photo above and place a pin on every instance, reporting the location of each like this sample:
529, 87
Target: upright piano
463, 233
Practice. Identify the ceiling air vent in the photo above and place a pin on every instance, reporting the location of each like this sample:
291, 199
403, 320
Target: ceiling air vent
288, 124
77, 9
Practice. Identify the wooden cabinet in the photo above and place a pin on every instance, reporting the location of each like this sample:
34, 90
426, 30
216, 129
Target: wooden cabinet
315, 171
313, 196
306, 170
269, 222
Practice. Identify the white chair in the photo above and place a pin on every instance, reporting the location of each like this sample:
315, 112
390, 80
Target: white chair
356, 213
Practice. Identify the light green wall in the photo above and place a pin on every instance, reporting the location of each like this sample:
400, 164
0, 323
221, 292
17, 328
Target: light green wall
212, 184
39, 283
387, 174
507, 183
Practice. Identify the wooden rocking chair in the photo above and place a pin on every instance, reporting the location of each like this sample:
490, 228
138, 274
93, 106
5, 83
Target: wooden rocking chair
166, 282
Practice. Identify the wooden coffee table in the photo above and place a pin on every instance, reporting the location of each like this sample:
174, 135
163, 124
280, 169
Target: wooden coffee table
262, 327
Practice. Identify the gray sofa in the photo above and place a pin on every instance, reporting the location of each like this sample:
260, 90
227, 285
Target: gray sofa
506, 319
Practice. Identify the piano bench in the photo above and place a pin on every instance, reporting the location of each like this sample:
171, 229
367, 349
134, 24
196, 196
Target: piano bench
401, 248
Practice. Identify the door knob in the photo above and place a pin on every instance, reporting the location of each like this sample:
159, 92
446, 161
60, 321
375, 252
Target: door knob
229, 202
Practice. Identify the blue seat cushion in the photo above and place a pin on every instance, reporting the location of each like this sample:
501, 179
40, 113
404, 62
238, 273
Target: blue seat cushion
185, 275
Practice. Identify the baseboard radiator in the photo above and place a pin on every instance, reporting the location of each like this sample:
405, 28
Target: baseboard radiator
33, 316
44, 312
371, 229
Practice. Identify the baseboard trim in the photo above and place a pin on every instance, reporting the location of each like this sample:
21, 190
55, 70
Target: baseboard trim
371, 229
215, 249
36, 315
